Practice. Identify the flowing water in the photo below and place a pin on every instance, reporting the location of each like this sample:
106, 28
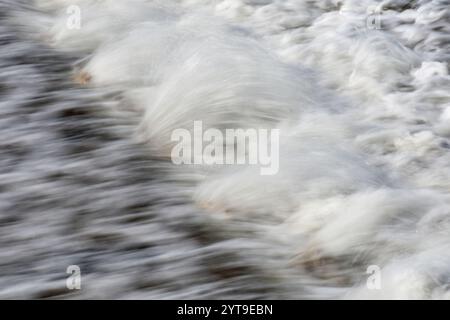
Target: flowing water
360, 91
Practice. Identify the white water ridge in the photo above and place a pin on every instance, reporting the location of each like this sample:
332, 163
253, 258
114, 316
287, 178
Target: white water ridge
358, 91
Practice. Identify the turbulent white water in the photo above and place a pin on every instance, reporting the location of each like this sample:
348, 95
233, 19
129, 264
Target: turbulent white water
359, 91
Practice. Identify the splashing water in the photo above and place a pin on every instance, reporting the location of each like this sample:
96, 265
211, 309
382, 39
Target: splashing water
359, 91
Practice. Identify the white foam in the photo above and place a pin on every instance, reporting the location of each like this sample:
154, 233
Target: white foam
364, 117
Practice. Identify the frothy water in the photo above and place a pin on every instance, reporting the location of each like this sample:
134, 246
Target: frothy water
358, 89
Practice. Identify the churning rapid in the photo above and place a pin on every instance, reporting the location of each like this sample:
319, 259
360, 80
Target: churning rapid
360, 93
